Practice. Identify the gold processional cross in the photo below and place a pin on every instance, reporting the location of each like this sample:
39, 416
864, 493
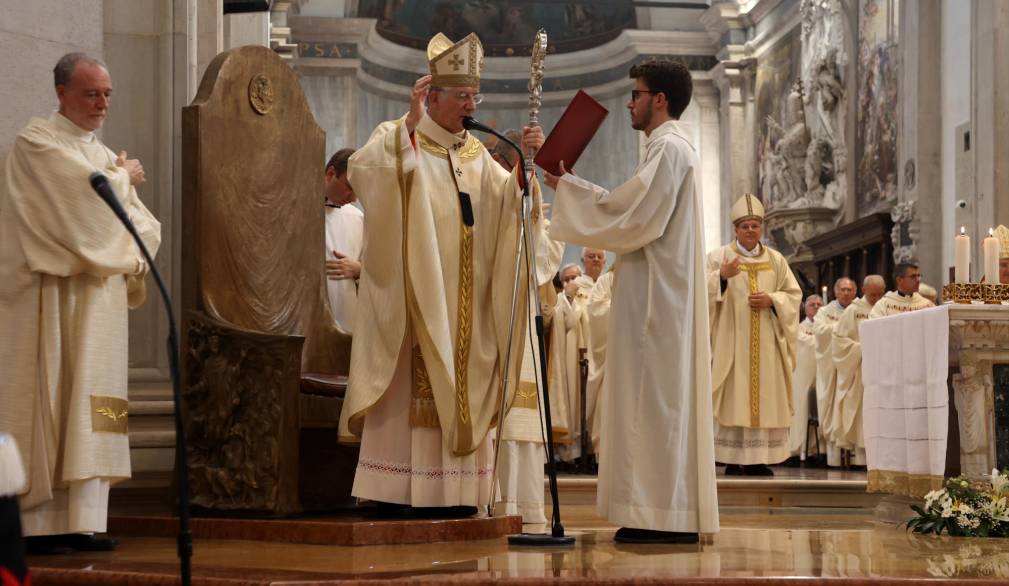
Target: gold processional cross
751, 270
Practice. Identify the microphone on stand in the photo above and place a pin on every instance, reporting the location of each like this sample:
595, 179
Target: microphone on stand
100, 183
556, 536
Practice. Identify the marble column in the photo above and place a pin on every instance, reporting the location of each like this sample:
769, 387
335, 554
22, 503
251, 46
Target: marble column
735, 81
707, 101
991, 109
919, 137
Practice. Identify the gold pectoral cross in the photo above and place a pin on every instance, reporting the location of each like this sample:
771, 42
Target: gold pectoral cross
751, 270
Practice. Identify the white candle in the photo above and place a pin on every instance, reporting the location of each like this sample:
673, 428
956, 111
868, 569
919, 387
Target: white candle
991, 254
824, 296
961, 264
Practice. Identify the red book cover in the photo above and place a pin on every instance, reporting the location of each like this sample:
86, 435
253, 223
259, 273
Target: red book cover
572, 133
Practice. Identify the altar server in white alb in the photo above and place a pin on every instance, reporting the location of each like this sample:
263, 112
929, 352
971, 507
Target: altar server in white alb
68, 273
754, 300
657, 473
344, 240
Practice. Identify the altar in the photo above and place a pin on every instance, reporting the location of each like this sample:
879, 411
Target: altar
935, 402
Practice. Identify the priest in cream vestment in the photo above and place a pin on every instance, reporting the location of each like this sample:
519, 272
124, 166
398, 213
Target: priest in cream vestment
435, 298
826, 371
568, 341
754, 300
803, 378
846, 350
906, 297
68, 272
656, 472
598, 311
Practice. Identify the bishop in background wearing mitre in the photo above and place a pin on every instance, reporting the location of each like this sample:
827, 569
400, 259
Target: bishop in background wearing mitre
753, 299
434, 309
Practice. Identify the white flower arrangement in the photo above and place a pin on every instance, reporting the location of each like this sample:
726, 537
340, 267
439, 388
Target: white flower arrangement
962, 508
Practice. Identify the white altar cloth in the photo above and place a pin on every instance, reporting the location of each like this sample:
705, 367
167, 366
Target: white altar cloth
905, 409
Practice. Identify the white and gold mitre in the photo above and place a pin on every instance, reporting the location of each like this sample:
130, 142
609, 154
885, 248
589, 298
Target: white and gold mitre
746, 208
1002, 233
455, 64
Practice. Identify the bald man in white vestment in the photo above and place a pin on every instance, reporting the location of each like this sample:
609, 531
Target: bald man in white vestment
826, 371
656, 473
435, 300
846, 350
69, 271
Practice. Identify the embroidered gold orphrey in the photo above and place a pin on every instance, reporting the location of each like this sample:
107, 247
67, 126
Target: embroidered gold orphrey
109, 414
751, 270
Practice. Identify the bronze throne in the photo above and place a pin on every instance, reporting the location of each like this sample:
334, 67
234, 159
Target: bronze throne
264, 364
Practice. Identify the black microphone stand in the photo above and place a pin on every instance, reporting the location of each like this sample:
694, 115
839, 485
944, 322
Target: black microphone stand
556, 536
185, 538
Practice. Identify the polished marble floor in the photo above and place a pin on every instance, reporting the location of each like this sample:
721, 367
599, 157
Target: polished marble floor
760, 547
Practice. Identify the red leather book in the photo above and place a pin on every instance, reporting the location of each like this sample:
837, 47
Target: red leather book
572, 133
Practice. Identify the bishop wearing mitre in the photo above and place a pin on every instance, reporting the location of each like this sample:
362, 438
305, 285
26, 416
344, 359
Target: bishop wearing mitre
846, 352
435, 297
754, 308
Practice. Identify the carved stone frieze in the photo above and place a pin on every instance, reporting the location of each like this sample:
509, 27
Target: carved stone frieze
238, 445
978, 339
905, 232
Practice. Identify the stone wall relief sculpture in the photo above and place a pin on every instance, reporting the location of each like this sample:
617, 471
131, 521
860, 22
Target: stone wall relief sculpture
804, 158
876, 185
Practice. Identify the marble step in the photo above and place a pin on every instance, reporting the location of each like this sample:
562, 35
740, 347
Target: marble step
751, 492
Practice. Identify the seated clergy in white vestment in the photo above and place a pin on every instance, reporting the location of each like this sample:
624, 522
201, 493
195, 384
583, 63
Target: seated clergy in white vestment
905, 297
826, 371
803, 377
656, 460
754, 300
434, 312
344, 239
846, 350
69, 270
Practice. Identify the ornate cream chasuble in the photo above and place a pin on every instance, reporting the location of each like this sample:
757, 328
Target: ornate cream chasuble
436, 294
68, 272
893, 303
846, 350
826, 375
753, 355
